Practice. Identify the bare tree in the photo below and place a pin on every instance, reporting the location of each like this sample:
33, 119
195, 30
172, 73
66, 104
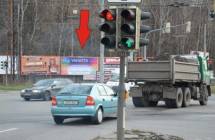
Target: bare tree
36, 19
23, 8
61, 14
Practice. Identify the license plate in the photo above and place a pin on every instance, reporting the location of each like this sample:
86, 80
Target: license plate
70, 102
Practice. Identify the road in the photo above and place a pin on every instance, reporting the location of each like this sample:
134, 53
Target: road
21, 120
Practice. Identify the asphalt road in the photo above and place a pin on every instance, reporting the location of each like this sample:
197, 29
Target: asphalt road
21, 120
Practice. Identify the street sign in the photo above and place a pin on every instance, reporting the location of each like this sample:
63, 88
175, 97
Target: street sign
125, 1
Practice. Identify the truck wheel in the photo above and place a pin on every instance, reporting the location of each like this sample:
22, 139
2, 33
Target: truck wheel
186, 97
138, 101
176, 103
168, 103
204, 96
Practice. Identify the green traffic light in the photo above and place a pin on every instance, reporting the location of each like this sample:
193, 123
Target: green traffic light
127, 42
130, 43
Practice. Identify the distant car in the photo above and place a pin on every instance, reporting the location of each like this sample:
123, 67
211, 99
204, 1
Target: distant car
45, 89
94, 101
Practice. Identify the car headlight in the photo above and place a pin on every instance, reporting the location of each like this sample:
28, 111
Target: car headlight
22, 91
36, 91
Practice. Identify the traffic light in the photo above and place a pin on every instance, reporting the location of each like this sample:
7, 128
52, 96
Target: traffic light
131, 28
144, 28
6, 64
2, 64
109, 28
212, 14
128, 29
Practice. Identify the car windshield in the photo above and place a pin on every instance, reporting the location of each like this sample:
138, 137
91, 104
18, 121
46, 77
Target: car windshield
76, 90
46, 82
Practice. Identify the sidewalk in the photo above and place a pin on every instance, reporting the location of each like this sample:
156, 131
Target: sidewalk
139, 135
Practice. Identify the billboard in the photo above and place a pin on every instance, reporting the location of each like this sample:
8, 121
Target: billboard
112, 64
3, 69
48, 65
79, 65
111, 68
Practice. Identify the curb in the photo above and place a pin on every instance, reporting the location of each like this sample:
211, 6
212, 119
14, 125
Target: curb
139, 135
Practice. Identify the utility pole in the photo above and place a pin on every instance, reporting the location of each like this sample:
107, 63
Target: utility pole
18, 42
205, 39
121, 99
102, 50
11, 35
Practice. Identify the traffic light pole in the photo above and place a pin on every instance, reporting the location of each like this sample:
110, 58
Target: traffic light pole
121, 99
156, 30
102, 51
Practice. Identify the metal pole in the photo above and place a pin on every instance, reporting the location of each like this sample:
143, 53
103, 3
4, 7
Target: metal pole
72, 52
102, 50
18, 42
145, 53
156, 30
121, 101
6, 77
205, 39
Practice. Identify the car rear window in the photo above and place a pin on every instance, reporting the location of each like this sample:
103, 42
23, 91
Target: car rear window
45, 82
76, 90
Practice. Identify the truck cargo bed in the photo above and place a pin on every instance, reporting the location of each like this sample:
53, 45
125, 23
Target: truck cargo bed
171, 71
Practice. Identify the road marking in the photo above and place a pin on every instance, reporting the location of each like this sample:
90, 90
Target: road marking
7, 130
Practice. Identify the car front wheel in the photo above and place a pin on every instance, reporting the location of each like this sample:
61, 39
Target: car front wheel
46, 96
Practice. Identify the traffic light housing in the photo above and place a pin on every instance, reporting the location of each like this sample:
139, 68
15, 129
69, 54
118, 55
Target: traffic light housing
6, 64
109, 28
131, 28
2, 64
128, 29
144, 28
122, 28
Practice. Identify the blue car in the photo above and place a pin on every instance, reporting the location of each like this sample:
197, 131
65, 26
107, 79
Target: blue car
84, 100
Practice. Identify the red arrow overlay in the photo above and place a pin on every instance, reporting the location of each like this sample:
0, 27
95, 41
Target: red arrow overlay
83, 32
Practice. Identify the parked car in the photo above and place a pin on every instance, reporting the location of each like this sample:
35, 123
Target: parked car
45, 89
94, 101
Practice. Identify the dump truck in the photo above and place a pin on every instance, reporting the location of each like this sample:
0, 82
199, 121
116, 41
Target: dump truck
175, 81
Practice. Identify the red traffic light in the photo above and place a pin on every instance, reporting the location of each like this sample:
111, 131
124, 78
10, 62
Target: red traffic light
108, 15
128, 14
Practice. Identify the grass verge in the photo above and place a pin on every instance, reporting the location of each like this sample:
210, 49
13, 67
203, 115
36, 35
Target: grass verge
18, 86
